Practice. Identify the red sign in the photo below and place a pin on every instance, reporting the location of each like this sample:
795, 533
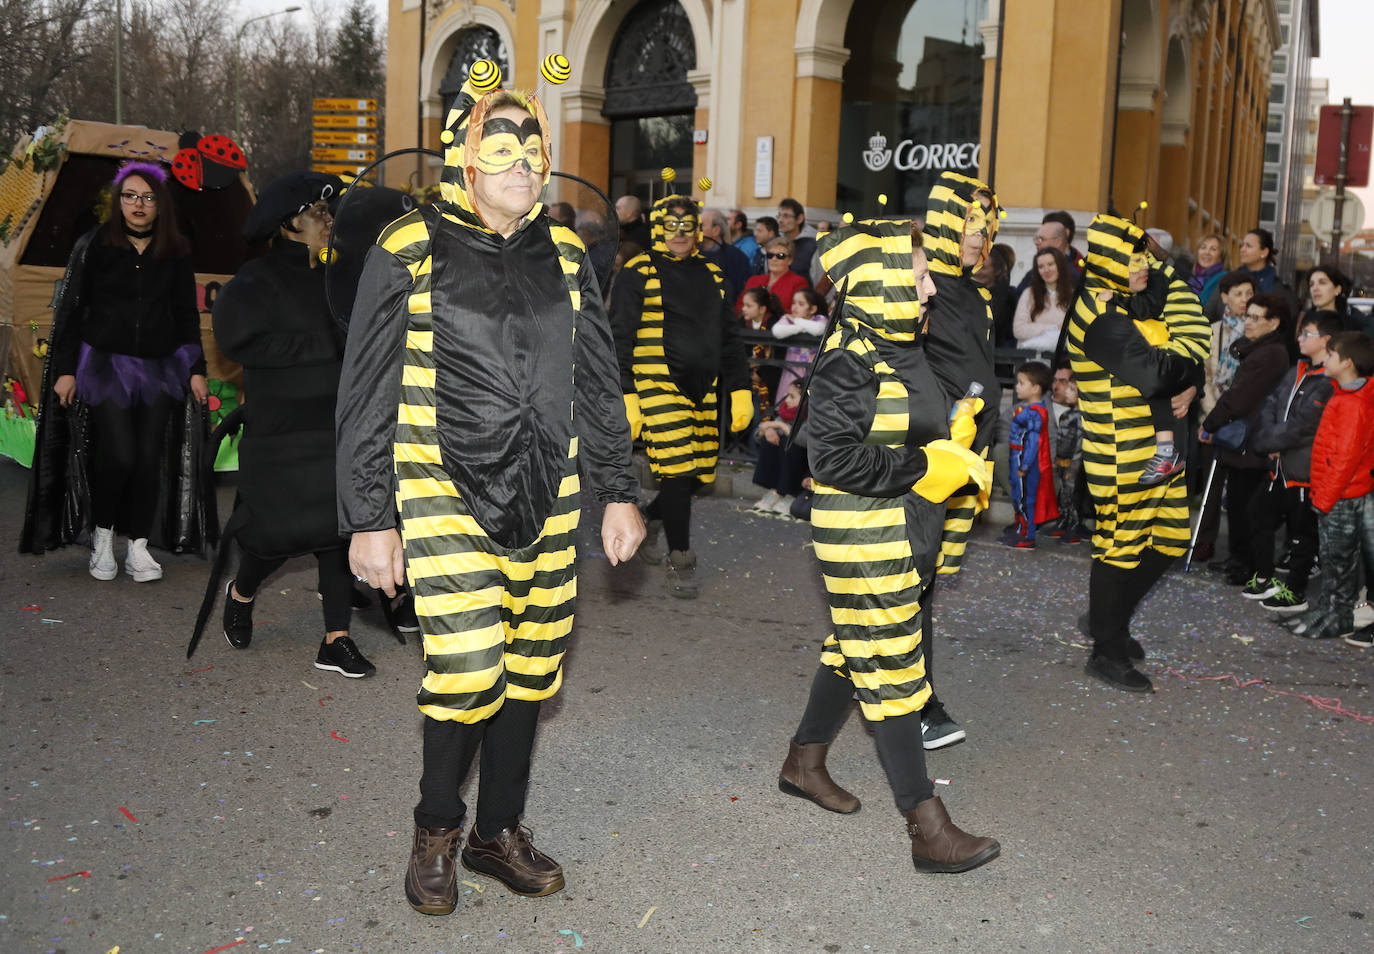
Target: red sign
1329, 146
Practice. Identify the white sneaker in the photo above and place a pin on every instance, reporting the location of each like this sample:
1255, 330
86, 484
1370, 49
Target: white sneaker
103, 565
783, 506
139, 563
767, 501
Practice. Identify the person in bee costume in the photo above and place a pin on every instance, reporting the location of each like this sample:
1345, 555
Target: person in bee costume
479, 373
883, 466
678, 342
960, 226
1139, 529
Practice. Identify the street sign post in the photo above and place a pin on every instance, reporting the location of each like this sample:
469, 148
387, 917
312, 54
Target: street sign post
345, 137
1351, 128
1323, 216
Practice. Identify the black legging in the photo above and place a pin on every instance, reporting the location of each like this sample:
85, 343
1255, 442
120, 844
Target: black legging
126, 454
673, 506
336, 582
507, 743
900, 747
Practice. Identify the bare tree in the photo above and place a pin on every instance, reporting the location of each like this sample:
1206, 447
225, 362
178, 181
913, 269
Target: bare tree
42, 44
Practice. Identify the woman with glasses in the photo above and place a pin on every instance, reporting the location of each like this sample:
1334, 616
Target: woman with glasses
777, 277
273, 318
126, 343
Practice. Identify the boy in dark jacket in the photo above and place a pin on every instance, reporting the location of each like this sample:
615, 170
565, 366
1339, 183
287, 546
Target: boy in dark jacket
1285, 431
1342, 481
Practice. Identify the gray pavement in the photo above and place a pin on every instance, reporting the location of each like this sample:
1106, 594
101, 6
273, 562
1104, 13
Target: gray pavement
247, 801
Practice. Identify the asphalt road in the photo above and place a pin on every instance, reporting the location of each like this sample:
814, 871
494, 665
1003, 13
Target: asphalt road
247, 801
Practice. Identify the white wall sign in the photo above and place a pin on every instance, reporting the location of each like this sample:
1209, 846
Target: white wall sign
763, 167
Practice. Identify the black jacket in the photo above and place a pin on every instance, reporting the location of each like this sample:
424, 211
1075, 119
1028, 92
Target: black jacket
1288, 421
273, 318
130, 304
1262, 365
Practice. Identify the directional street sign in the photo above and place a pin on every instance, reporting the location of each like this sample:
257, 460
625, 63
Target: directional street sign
335, 104
338, 168
335, 137
343, 155
346, 122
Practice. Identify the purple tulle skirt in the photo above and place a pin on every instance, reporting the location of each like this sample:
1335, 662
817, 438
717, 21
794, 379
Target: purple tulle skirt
127, 380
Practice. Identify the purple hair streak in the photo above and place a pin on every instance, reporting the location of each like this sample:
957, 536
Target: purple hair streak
147, 170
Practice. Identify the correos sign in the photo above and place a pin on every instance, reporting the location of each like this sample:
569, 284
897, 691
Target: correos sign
911, 156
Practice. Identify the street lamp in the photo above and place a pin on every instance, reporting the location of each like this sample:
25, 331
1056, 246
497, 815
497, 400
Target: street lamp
238, 40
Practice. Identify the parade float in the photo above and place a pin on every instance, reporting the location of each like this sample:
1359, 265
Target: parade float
53, 189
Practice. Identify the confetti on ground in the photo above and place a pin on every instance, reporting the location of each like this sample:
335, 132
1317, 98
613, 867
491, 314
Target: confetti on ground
942, 781
647, 914
128, 814
1325, 704
191, 672
474, 886
204, 721
308, 686
330, 698
30, 609
335, 735
51, 622
1303, 921
577, 938
1247, 640
225, 947
84, 874
113, 950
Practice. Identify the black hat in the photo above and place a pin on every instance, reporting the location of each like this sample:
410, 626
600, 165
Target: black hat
285, 198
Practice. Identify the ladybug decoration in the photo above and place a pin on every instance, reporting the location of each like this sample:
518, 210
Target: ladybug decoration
207, 162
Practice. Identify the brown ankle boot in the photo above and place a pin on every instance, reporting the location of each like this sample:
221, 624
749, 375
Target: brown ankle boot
512, 859
432, 875
804, 775
938, 845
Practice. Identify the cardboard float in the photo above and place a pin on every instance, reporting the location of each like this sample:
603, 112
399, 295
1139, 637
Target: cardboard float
53, 192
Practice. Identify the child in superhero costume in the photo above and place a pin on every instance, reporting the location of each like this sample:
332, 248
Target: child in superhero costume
879, 443
961, 225
1139, 529
1032, 476
679, 345
459, 403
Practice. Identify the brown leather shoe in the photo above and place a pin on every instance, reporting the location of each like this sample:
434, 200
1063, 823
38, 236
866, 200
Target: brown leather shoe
938, 845
804, 775
511, 859
432, 876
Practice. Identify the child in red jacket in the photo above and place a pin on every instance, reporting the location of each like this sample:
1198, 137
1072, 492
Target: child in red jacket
1342, 481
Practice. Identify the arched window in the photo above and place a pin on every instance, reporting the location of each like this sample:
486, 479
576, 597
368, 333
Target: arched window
474, 43
649, 101
912, 102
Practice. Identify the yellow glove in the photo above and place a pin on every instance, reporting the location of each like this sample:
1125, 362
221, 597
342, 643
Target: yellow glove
950, 466
632, 415
741, 409
962, 430
985, 493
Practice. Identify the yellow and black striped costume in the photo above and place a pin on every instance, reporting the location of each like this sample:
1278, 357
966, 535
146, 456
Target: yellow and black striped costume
1118, 372
676, 376
872, 404
480, 372
959, 339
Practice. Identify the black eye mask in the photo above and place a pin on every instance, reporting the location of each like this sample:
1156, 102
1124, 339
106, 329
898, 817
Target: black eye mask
500, 124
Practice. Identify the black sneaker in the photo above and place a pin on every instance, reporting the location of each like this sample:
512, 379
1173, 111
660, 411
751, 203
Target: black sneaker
1240, 576
1118, 673
1261, 589
1321, 627
342, 656
938, 729
1363, 637
400, 612
238, 619
1285, 600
